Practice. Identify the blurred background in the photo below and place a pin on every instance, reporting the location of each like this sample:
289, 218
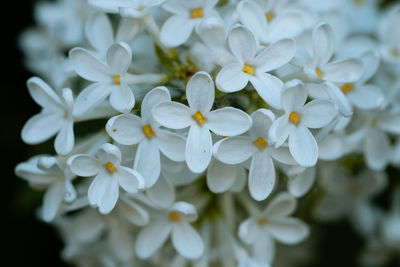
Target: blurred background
28, 241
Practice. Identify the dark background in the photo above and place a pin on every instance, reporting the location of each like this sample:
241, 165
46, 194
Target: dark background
29, 242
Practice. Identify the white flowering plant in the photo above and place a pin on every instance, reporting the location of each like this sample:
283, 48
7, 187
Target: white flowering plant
223, 128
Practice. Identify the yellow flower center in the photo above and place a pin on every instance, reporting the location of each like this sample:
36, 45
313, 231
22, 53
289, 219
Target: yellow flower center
148, 131
294, 117
110, 167
269, 16
347, 88
117, 79
394, 52
66, 115
358, 2
247, 69
261, 221
196, 13
260, 143
319, 73
174, 216
199, 118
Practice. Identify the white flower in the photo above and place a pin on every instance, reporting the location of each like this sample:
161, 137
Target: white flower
126, 8
47, 172
187, 14
298, 117
238, 149
389, 34
267, 27
109, 79
253, 68
55, 118
176, 221
109, 175
128, 129
300, 180
226, 121
274, 222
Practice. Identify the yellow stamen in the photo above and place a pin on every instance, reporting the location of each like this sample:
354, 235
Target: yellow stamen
269, 16
196, 13
117, 79
347, 88
140, 9
247, 69
358, 2
148, 131
260, 143
110, 167
394, 53
261, 221
294, 117
66, 115
319, 73
174, 216
199, 118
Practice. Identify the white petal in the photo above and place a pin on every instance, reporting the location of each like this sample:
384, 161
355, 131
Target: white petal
172, 115
289, 230
41, 127
169, 34
235, 150
281, 206
134, 213
377, 149
228, 121
126, 129
171, 145
64, 141
282, 154
187, 241
261, 176
331, 147
162, 193
269, 88
366, 96
99, 32
303, 147
127, 30
275, 56
130, 180
345, 71
337, 97
83, 165
119, 57
242, 44
186, 209
121, 244
52, 201
251, 16
200, 92
90, 97
109, 196
280, 129
151, 238
287, 24
264, 250
294, 96
248, 231
231, 78
89, 66
153, 98
390, 123
198, 148
323, 43
318, 113
122, 98
262, 121
147, 162
220, 177
42, 93
302, 183
97, 188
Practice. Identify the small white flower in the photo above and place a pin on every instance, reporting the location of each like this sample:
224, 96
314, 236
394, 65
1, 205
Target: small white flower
274, 222
109, 175
187, 14
254, 68
55, 118
129, 129
176, 221
238, 149
109, 79
298, 117
226, 121
47, 172
126, 8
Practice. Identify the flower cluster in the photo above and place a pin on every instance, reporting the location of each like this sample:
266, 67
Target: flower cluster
212, 121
